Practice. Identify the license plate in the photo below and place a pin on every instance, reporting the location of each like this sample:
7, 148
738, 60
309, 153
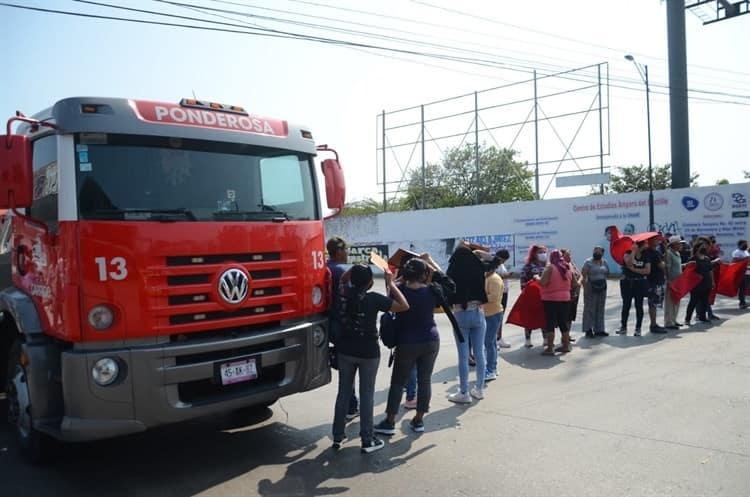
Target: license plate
235, 372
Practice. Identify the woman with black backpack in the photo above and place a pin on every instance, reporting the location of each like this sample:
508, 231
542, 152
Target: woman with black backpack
357, 349
417, 339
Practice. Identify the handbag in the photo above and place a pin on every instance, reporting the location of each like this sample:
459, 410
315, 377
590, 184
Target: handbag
388, 329
598, 285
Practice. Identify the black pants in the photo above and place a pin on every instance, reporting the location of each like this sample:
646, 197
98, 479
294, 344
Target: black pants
406, 356
699, 303
632, 290
557, 314
742, 290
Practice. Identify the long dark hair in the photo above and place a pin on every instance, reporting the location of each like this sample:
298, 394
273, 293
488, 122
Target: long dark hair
467, 271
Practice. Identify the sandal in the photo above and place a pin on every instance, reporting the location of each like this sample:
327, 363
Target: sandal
548, 352
562, 349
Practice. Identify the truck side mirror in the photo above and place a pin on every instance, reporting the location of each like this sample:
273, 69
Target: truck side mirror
335, 185
16, 176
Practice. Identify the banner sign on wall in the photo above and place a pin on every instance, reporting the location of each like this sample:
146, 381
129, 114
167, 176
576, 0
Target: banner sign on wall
361, 253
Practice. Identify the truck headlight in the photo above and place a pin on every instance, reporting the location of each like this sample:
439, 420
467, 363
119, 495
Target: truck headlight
105, 371
317, 295
318, 335
101, 317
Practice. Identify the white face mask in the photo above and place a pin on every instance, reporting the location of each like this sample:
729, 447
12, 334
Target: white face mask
542, 256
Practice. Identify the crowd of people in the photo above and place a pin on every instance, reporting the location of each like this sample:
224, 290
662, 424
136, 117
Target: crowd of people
473, 293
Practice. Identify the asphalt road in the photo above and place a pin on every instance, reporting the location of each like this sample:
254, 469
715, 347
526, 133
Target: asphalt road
656, 415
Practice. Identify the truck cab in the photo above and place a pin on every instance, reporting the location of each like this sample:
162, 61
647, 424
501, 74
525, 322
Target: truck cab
159, 262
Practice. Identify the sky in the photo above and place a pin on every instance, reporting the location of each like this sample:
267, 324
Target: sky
339, 90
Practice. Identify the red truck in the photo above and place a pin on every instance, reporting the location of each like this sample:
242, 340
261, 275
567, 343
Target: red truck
159, 262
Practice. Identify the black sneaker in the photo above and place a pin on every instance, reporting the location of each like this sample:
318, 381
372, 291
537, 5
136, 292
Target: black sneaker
372, 445
714, 317
337, 444
601, 334
385, 427
589, 334
352, 414
743, 305
658, 330
417, 426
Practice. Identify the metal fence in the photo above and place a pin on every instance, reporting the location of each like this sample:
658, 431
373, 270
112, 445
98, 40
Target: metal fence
558, 123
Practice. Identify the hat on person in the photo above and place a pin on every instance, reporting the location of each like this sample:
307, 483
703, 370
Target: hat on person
674, 239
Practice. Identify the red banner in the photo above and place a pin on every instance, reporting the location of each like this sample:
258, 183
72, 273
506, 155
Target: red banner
685, 282
528, 311
730, 278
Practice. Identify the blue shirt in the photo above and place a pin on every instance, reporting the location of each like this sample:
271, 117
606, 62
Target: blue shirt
417, 325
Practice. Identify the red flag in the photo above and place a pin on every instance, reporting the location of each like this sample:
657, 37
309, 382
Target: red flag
730, 278
717, 275
685, 282
619, 244
528, 311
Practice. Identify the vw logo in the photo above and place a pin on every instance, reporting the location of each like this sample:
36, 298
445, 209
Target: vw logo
233, 285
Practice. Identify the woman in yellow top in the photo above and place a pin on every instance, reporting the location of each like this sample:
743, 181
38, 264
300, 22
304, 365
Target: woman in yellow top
493, 315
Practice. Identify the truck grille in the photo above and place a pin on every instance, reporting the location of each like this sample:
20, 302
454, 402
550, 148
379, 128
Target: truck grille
185, 295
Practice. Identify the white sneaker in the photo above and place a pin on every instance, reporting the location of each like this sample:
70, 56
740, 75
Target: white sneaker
528, 343
503, 344
477, 393
460, 398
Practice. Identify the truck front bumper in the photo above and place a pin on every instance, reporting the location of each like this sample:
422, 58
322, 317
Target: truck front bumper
178, 381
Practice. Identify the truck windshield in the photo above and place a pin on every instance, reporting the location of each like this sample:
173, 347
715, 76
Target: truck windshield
140, 178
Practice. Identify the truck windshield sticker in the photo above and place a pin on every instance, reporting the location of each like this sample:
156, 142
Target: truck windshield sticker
82, 148
85, 167
83, 156
165, 113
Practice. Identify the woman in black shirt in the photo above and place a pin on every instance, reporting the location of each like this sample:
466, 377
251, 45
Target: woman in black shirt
700, 294
358, 349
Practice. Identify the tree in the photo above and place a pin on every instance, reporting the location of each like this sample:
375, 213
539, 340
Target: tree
369, 206
452, 182
635, 179
722, 182
747, 174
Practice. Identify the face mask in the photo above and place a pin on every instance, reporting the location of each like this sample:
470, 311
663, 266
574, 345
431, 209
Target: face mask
597, 256
542, 257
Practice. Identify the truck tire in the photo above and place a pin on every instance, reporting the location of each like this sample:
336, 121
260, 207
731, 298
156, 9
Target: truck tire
33, 444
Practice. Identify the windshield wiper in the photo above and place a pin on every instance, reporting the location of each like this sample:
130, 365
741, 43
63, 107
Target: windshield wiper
274, 215
166, 215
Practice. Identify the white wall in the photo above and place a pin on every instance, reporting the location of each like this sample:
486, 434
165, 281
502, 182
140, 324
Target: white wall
577, 223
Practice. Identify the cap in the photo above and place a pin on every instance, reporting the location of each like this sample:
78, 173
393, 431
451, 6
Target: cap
674, 239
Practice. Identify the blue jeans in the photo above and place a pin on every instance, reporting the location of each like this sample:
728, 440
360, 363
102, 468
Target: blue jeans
473, 327
368, 369
490, 337
411, 384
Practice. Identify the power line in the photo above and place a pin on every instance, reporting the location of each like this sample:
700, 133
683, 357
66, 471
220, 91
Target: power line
291, 35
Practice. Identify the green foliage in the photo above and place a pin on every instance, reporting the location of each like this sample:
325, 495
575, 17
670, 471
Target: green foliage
635, 179
452, 182
722, 182
364, 207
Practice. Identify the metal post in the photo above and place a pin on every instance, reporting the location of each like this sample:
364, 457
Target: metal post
385, 200
424, 183
536, 138
476, 145
650, 169
678, 97
601, 138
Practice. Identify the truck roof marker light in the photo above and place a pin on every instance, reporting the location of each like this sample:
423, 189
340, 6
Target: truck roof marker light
89, 109
306, 134
197, 104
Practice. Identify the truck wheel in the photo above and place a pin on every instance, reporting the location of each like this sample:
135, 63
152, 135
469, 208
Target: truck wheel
33, 444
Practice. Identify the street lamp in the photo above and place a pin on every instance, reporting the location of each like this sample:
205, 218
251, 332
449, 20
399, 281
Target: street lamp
644, 76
